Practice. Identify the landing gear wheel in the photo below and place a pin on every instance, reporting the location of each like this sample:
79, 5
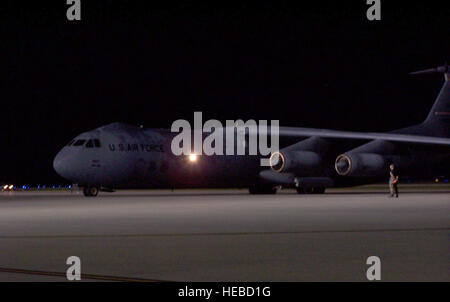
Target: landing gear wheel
90, 191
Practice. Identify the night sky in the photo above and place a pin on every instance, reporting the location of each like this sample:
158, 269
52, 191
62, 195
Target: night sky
322, 66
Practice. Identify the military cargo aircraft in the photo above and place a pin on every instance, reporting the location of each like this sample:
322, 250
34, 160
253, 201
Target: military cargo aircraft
124, 156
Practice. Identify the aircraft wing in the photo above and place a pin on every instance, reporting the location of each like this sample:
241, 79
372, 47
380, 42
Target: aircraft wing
393, 137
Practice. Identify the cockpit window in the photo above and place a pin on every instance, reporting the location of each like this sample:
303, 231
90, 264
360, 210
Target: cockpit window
89, 144
79, 142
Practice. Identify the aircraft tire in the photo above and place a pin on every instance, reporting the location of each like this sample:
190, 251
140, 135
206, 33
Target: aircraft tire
90, 191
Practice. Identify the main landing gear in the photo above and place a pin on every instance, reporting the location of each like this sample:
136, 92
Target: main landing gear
90, 191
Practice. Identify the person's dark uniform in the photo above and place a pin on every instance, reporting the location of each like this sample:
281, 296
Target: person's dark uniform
393, 181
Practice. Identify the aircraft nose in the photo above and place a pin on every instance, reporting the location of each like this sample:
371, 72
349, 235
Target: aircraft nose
61, 164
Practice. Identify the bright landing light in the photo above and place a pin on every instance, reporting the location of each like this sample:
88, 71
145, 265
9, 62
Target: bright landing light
193, 158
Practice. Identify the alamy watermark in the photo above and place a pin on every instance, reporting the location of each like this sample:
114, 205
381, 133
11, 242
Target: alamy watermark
373, 273
73, 273
74, 10
374, 11
239, 137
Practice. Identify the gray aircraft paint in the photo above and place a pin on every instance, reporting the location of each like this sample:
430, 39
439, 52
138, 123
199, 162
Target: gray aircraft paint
131, 156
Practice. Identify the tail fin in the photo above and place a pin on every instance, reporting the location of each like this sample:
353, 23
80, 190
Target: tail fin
437, 122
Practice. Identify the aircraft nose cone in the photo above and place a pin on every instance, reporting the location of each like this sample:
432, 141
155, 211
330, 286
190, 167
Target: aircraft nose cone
61, 164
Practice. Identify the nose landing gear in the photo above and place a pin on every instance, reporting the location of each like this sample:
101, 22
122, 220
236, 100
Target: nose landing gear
90, 191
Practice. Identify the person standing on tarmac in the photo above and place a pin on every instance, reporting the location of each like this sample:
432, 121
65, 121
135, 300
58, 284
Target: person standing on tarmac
393, 181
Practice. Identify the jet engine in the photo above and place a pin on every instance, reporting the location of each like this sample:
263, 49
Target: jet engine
360, 164
300, 162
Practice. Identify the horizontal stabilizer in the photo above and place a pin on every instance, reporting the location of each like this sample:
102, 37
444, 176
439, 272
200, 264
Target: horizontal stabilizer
440, 69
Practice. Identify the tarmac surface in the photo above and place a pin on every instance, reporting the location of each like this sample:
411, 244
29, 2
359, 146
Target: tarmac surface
225, 235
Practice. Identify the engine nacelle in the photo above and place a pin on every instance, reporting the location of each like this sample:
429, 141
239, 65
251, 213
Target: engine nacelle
300, 162
361, 164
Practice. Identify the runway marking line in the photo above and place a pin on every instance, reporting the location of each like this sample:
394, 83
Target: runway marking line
221, 234
83, 276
